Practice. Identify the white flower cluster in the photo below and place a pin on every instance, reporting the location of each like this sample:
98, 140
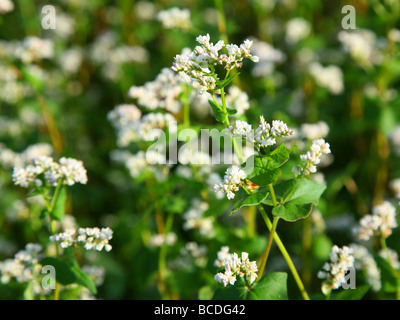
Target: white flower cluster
233, 179
91, 238
237, 99
391, 256
330, 77
131, 126
312, 158
162, 93
10, 158
296, 30
158, 240
235, 266
268, 56
265, 135
197, 67
149, 161
363, 260
24, 267
334, 272
194, 218
361, 44
6, 6
33, 49
175, 18
110, 56
44, 170
312, 131
379, 223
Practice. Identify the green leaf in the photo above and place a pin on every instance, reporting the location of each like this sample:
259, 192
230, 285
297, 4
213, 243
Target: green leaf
33, 80
219, 114
224, 83
292, 212
298, 191
353, 294
243, 199
280, 155
59, 206
272, 286
257, 171
68, 272
295, 198
231, 110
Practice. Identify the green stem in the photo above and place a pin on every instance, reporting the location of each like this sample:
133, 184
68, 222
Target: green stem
50, 208
273, 196
285, 254
265, 255
162, 261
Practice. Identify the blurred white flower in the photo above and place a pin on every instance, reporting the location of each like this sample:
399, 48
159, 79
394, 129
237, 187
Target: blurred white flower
6, 6
297, 29
175, 18
330, 77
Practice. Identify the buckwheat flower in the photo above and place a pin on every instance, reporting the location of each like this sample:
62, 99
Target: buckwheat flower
164, 92
334, 272
233, 179
6, 6
265, 135
12, 268
237, 266
22, 177
363, 260
395, 186
330, 77
268, 58
237, 99
24, 267
194, 218
312, 131
312, 158
391, 256
240, 129
361, 45
196, 67
297, 29
387, 214
222, 255
379, 223
72, 171
65, 239
95, 238
394, 35
124, 115
159, 239
34, 49
175, 18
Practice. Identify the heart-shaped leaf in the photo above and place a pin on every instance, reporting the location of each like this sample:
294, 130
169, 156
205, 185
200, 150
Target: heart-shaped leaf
243, 199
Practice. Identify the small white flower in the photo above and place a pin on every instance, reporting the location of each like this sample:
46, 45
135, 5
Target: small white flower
235, 266
334, 272
379, 223
233, 179
312, 158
